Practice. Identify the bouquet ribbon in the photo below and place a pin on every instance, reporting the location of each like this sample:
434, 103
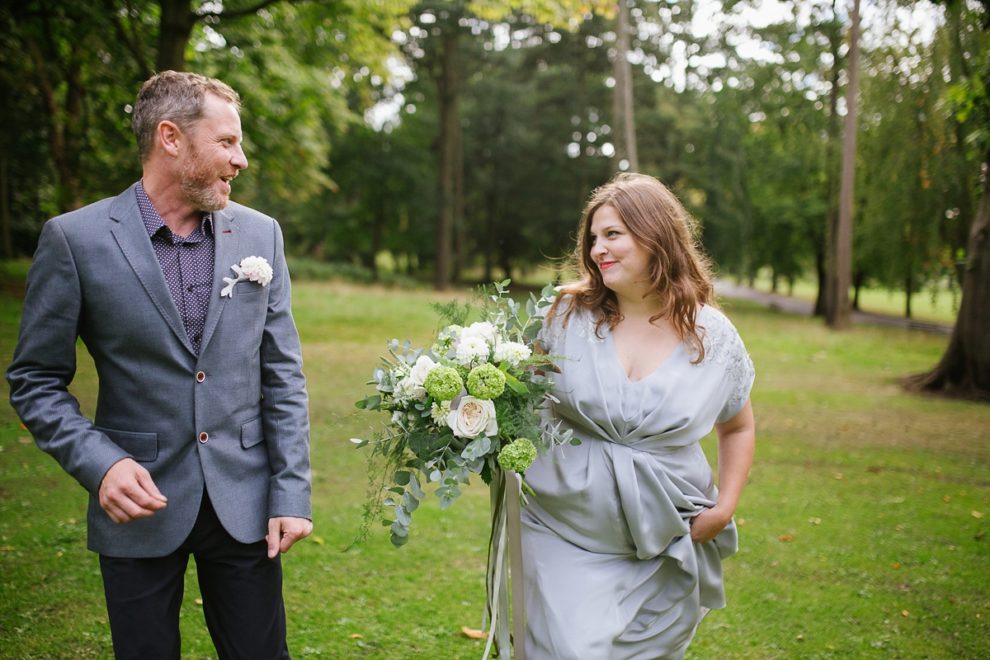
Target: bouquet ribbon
505, 542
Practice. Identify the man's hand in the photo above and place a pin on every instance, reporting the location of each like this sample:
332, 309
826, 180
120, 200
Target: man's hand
128, 493
284, 531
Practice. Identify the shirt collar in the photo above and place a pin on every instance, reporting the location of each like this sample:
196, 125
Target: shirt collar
153, 222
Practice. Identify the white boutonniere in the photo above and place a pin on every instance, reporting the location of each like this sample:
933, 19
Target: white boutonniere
252, 269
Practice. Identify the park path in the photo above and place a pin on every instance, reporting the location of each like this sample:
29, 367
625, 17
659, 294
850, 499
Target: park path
789, 305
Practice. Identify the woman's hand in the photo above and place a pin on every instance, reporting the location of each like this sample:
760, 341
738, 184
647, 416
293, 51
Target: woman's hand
706, 525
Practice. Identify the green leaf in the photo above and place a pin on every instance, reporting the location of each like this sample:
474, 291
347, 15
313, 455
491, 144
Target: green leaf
401, 477
515, 384
370, 403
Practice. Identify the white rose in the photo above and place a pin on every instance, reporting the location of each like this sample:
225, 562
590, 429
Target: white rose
472, 418
512, 352
471, 348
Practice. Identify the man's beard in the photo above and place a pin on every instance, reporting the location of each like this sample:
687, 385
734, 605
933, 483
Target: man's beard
198, 185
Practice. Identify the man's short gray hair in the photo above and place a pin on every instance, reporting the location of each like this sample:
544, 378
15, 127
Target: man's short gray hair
175, 96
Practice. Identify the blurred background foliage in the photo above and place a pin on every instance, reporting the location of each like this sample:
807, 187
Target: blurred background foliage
383, 133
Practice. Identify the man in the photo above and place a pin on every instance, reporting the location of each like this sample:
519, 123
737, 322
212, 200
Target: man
200, 442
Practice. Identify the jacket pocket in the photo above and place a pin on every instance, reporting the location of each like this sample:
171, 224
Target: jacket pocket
141, 446
251, 433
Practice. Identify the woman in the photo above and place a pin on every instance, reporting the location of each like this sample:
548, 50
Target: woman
624, 538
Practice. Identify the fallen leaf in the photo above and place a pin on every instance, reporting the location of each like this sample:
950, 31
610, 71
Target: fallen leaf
785, 538
979, 535
24, 440
800, 638
318, 540
740, 521
905, 613
198, 601
839, 476
896, 566
815, 521
874, 469
976, 514
946, 498
357, 636
471, 633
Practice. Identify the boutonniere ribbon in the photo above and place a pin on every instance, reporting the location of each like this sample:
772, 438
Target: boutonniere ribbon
252, 269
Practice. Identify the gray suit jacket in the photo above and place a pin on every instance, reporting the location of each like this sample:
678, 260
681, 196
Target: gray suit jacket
234, 418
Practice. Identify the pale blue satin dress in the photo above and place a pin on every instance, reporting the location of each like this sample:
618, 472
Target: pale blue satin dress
610, 569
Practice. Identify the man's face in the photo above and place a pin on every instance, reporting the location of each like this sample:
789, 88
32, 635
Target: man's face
214, 156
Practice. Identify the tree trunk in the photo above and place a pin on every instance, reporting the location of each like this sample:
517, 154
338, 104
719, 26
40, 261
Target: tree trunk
908, 293
822, 272
622, 100
859, 279
964, 370
449, 120
174, 32
838, 312
824, 255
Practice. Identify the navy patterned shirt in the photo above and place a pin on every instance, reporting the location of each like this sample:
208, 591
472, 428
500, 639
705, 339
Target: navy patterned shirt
187, 264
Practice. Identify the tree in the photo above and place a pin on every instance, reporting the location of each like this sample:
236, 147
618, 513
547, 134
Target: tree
964, 369
838, 311
623, 116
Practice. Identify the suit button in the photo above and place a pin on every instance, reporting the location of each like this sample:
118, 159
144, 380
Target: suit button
200, 376
203, 437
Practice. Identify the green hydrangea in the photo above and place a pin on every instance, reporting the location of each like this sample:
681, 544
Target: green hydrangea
517, 455
443, 383
486, 381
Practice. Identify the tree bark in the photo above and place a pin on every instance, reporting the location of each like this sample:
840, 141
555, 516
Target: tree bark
838, 311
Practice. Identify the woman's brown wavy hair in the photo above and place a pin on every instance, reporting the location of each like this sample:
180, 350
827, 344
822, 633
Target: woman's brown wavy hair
680, 272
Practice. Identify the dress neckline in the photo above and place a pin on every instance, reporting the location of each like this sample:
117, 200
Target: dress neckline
610, 340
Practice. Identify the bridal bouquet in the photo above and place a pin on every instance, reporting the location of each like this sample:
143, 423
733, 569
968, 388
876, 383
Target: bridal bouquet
468, 404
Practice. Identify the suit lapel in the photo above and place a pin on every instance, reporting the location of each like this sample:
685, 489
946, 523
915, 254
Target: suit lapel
227, 240
132, 238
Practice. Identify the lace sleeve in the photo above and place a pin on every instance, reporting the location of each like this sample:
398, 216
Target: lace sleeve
723, 345
740, 375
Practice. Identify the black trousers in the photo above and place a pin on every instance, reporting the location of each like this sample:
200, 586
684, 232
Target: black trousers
241, 589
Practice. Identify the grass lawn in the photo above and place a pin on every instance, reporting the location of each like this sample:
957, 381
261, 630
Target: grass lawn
863, 528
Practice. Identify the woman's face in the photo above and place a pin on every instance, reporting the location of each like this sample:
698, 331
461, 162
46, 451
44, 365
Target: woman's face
623, 262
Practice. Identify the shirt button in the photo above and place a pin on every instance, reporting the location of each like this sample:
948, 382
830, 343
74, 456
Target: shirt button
200, 376
203, 437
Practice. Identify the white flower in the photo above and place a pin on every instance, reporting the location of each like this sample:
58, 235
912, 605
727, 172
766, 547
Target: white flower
512, 352
482, 329
439, 412
471, 348
252, 269
472, 418
411, 387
